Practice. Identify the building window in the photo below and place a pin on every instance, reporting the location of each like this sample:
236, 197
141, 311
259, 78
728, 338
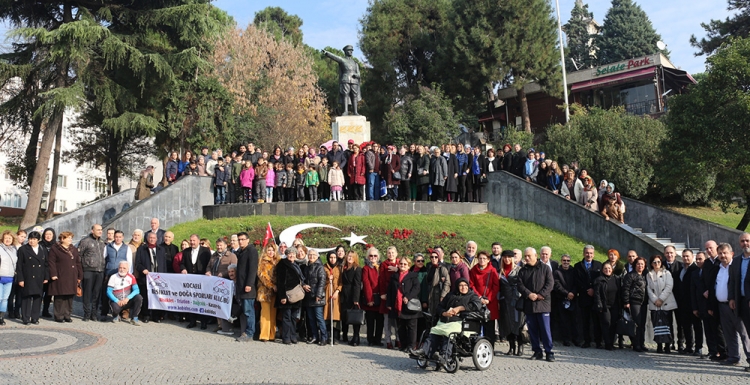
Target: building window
6, 200
7, 174
61, 206
62, 181
79, 184
100, 185
16, 201
88, 184
44, 204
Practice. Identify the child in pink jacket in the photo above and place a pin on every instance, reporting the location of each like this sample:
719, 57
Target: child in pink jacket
246, 180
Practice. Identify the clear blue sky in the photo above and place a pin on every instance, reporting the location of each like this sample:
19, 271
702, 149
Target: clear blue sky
336, 23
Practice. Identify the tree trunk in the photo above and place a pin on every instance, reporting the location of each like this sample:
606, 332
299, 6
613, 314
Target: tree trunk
55, 172
164, 181
31, 148
524, 110
113, 156
36, 187
745, 218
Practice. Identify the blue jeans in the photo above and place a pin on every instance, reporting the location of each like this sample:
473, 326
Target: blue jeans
317, 323
539, 329
248, 307
5, 293
221, 195
373, 186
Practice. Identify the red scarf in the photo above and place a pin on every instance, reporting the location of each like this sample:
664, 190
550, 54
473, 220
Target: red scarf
399, 294
507, 269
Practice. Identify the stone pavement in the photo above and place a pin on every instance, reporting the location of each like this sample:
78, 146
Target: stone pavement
107, 353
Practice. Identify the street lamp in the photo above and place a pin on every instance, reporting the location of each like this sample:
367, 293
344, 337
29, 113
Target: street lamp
562, 62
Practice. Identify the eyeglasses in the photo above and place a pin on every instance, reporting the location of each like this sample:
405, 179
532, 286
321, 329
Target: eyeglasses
374, 255
656, 263
434, 257
566, 261
419, 261
403, 264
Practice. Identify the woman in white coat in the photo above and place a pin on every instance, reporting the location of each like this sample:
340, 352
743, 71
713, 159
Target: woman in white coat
660, 296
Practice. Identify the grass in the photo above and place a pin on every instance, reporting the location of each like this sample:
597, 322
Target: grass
11, 228
428, 230
712, 214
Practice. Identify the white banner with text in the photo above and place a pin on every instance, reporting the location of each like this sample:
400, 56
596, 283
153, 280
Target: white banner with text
190, 293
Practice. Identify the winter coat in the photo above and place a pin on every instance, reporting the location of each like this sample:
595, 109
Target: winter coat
218, 265
287, 278
607, 292
409, 288
372, 162
438, 170
280, 178
323, 173
438, 287
507, 162
370, 288
335, 177
91, 251
356, 169
566, 191
143, 262
634, 289
333, 284
337, 156
311, 178
311, 161
271, 177
470, 301
246, 177
351, 286
585, 281
588, 198
316, 279
384, 279
510, 320
299, 179
173, 169
32, 269
454, 167
423, 164
388, 168
221, 175
458, 271
267, 279
407, 167
486, 284
235, 170
66, 266
536, 279
261, 171
145, 184
660, 285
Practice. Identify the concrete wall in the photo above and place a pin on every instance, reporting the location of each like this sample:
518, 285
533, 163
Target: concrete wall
178, 203
513, 197
79, 221
348, 208
681, 228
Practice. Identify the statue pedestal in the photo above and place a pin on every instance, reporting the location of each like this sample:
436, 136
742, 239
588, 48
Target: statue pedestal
352, 127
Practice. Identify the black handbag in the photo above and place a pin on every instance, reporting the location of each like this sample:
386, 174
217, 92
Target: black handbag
355, 316
483, 179
626, 325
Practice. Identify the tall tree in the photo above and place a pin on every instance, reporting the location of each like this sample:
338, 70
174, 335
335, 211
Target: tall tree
424, 118
738, 25
280, 24
274, 88
718, 108
581, 50
626, 33
399, 39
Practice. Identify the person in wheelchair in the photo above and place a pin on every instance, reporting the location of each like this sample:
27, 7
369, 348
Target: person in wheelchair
463, 299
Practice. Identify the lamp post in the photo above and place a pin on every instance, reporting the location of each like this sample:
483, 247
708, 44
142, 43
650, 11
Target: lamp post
562, 62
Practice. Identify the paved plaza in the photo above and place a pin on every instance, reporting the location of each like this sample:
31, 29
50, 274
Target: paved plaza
107, 353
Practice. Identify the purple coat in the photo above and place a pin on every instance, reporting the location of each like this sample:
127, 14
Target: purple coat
456, 272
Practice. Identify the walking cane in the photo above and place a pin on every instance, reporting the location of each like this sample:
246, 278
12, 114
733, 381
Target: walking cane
330, 282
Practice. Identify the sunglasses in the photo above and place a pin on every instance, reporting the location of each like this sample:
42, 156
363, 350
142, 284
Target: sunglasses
434, 257
419, 261
565, 261
403, 264
656, 263
373, 255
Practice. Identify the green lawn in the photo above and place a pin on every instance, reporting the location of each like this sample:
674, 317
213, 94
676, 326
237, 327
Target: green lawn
712, 214
450, 232
11, 228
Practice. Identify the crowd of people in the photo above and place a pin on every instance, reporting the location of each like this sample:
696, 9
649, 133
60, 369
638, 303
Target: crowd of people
369, 171
292, 294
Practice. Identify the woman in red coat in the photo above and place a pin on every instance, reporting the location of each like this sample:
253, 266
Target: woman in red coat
486, 283
355, 169
391, 164
385, 271
371, 298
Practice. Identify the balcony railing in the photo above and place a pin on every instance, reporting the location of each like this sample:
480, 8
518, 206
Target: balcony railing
643, 108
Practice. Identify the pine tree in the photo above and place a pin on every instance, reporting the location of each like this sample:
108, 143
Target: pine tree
626, 33
581, 51
280, 24
721, 31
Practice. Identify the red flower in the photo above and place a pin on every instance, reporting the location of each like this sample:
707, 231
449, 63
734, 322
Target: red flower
299, 236
387, 232
369, 245
453, 235
256, 242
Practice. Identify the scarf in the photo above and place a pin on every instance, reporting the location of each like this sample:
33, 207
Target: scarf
507, 269
530, 166
48, 245
475, 166
399, 294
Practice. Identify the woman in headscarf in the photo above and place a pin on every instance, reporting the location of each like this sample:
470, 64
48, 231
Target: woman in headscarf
66, 274
611, 204
458, 269
333, 288
588, 196
48, 240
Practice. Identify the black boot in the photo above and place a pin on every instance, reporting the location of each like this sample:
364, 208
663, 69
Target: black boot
2, 320
519, 351
512, 349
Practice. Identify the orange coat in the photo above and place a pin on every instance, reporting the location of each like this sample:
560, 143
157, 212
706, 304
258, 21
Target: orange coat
335, 275
267, 279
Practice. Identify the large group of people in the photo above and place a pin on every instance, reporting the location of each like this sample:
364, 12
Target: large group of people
291, 294
369, 171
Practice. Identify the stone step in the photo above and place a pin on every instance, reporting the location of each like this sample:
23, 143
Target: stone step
664, 241
650, 235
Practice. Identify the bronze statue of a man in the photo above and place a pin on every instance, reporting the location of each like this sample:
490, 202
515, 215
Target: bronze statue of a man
348, 79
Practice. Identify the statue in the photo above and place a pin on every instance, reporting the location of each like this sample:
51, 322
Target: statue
348, 79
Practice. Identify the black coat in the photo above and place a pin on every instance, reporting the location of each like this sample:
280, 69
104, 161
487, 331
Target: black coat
536, 279
287, 278
607, 292
409, 288
507, 164
32, 269
697, 288
682, 288
565, 282
247, 272
316, 278
585, 281
170, 250
470, 301
143, 262
204, 255
634, 287
351, 287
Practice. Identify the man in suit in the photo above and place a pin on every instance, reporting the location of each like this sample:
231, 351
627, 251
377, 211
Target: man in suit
194, 261
247, 272
545, 254
632, 256
698, 303
712, 324
564, 297
674, 266
726, 294
739, 291
156, 230
150, 257
587, 271
687, 321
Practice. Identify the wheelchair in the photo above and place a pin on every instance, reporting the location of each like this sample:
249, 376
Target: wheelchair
468, 343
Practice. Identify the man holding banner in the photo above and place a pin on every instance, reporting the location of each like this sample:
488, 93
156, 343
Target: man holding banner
195, 261
247, 271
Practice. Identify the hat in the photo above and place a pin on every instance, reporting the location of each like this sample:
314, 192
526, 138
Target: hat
351, 141
347, 47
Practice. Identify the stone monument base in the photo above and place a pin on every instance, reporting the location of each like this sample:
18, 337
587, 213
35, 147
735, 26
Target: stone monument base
354, 127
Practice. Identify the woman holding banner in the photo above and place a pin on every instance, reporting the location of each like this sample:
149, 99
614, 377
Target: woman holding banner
267, 293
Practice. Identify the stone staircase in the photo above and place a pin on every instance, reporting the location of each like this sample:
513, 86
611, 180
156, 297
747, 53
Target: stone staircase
679, 246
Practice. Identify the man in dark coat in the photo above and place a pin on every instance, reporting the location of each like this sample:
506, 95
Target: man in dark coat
564, 296
150, 257
739, 292
687, 321
247, 272
519, 160
194, 261
675, 267
717, 346
155, 229
32, 272
699, 303
586, 272
535, 284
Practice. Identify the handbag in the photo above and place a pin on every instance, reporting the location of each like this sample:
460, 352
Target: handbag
296, 294
383, 188
355, 316
662, 333
483, 179
519, 304
397, 175
79, 291
626, 325
414, 304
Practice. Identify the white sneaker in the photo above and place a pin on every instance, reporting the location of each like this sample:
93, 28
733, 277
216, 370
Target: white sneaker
227, 333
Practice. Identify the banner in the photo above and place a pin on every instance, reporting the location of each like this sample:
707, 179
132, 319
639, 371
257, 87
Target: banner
190, 293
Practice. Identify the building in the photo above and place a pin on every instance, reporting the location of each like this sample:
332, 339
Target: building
641, 85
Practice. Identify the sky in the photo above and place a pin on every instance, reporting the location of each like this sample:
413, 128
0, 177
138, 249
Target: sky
336, 23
